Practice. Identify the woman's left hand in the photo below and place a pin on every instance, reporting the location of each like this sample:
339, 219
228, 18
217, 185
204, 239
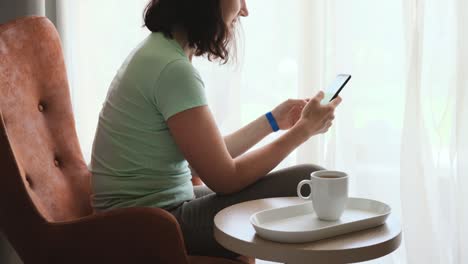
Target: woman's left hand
289, 112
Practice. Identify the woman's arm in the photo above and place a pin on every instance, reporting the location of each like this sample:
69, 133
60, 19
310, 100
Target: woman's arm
240, 141
286, 115
199, 139
243, 139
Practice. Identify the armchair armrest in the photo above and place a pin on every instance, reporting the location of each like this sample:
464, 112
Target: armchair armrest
130, 235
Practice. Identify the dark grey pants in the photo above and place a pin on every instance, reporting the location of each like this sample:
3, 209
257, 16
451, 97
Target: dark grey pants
196, 216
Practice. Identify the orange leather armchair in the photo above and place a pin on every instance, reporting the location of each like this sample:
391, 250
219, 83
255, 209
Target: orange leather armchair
44, 182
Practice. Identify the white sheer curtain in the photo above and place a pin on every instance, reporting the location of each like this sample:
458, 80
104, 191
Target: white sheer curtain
434, 157
400, 132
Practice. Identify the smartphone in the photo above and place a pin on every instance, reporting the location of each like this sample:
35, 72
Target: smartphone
335, 87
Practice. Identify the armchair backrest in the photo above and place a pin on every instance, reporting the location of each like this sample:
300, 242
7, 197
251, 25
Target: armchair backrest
43, 176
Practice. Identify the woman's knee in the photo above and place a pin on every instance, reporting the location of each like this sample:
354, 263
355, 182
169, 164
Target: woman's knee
296, 172
309, 167
302, 170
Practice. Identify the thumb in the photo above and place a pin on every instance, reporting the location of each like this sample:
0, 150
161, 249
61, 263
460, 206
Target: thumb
319, 97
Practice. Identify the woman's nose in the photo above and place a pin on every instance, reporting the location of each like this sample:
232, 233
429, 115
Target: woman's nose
244, 10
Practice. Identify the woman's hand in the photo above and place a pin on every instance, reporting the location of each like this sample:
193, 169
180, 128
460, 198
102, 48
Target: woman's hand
317, 118
288, 113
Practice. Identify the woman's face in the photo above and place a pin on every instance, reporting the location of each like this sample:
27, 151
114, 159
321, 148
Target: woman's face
232, 10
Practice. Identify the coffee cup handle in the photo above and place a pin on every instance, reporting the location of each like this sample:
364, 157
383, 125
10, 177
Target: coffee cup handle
299, 187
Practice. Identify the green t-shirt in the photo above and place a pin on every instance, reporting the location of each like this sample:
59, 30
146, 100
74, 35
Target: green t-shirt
135, 161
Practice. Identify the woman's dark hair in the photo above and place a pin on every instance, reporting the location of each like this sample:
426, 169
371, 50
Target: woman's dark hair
202, 20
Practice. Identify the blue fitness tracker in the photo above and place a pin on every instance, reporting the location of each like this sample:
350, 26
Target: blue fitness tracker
272, 121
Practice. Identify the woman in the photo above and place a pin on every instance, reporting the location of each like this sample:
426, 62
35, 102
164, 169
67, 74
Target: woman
155, 122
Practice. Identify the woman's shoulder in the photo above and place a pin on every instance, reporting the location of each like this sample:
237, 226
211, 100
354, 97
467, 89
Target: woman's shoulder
180, 68
155, 56
157, 46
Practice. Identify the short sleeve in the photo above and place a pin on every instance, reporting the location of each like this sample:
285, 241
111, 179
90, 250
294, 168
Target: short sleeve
179, 88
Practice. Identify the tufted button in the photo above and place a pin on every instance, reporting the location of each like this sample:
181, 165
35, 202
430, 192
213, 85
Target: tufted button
41, 107
28, 180
57, 163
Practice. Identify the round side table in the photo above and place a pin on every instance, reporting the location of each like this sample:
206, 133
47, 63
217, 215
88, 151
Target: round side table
234, 232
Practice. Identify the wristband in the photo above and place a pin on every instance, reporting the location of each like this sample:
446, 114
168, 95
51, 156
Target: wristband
272, 121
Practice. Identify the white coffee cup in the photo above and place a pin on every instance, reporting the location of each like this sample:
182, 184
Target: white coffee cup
329, 193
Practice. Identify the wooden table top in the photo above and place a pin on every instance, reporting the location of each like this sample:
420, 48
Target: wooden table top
234, 231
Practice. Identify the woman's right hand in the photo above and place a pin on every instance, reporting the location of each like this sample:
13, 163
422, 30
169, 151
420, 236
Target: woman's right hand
317, 118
